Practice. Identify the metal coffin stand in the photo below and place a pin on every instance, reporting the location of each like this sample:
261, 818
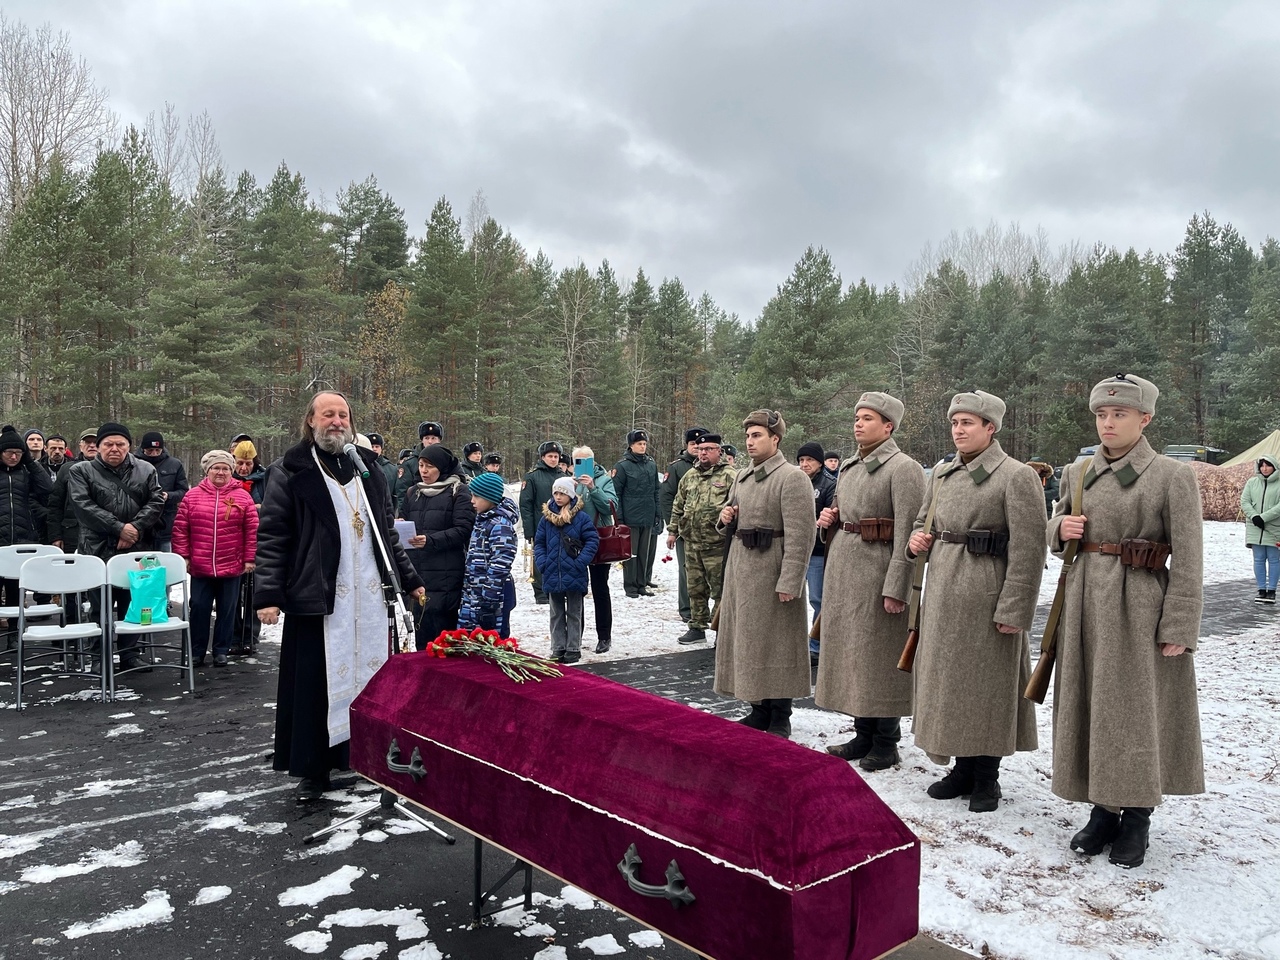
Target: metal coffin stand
734, 843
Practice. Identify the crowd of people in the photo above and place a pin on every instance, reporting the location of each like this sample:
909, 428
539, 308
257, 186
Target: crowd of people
332, 531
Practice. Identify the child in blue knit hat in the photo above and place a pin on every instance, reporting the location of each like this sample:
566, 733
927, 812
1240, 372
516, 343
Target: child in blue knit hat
488, 591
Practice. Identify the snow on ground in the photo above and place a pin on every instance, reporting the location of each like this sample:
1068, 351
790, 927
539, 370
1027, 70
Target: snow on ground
1008, 880
155, 908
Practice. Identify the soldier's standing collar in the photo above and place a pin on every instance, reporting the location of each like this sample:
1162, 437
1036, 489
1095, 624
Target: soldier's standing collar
876, 458
763, 470
1127, 469
984, 464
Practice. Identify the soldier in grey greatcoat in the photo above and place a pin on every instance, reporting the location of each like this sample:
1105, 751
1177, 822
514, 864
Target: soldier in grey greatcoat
867, 584
762, 647
1126, 724
986, 558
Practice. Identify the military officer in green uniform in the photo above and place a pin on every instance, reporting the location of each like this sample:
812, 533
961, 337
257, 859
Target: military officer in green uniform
676, 470
702, 494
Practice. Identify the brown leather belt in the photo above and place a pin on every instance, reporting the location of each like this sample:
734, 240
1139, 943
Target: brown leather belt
871, 530
946, 536
1133, 552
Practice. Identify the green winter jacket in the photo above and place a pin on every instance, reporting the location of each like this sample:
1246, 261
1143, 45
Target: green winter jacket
595, 504
1261, 497
635, 478
675, 473
534, 492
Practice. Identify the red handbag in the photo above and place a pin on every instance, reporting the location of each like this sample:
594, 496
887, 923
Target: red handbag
615, 541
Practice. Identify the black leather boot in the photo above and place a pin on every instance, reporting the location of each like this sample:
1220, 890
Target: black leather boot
857, 748
884, 745
758, 718
780, 717
986, 785
1129, 849
957, 783
1102, 829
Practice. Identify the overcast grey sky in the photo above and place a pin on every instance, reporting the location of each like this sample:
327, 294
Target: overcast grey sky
715, 141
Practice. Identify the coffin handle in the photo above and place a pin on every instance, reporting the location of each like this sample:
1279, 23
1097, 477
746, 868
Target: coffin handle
414, 768
675, 890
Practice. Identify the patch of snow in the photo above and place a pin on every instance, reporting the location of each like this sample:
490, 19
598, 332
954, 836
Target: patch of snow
210, 895
124, 728
127, 854
29, 800
104, 788
312, 941
552, 953
578, 899
374, 836
33, 734
603, 946
157, 713
336, 884
422, 951
211, 800
155, 908
648, 939
538, 930
15, 846
408, 923
229, 821
8, 886
365, 951
225, 761
120, 716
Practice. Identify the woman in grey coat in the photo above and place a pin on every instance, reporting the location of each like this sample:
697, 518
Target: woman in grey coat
1126, 724
986, 557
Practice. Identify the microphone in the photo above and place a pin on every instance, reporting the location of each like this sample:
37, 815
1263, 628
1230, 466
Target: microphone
354, 454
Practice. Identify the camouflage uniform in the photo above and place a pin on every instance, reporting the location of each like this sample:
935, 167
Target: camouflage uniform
703, 493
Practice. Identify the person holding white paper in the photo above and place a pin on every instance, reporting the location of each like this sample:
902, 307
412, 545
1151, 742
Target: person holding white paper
439, 506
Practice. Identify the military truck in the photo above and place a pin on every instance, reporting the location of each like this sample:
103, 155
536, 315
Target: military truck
1195, 451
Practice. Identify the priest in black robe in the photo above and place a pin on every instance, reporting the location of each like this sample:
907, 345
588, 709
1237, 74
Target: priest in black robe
319, 564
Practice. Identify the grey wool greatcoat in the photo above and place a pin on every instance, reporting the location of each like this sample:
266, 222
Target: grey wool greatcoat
858, 671
969, 676
762, 646
1126, 723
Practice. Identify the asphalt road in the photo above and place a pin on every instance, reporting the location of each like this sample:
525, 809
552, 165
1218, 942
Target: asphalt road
154, 827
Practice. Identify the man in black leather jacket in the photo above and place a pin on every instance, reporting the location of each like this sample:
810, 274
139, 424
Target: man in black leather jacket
118, 502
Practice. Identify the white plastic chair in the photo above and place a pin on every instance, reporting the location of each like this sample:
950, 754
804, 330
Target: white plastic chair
175, 570
67, 574
11, 560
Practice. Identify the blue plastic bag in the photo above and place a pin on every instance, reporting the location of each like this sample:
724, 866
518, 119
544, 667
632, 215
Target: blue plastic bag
148, 591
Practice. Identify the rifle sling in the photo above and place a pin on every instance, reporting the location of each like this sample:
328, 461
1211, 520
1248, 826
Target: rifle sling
1050, 638
917, 577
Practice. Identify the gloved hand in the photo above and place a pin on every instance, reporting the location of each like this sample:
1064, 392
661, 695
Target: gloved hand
1259, 522
488, 615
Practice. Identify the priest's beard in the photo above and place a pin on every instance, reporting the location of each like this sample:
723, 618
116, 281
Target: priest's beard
334, 439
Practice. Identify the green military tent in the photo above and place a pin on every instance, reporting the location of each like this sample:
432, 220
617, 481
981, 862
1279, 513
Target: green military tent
1270, 445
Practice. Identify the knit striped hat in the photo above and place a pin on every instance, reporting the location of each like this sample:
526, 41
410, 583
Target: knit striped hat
487, 485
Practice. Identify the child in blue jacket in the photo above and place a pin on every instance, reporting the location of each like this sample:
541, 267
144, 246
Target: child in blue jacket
565, 545
488, 592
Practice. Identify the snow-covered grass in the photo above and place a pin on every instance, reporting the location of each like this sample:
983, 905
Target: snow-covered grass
1008, 881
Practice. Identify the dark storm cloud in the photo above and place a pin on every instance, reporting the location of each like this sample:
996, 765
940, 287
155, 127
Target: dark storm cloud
715, 141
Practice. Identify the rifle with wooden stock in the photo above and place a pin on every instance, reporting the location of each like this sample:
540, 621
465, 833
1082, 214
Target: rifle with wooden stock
907, 661
729, 531
1038, 685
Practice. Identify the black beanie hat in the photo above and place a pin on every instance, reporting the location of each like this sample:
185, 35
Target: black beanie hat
811, 449
152, 441
38, 433
440, 457
114, 430
9, 440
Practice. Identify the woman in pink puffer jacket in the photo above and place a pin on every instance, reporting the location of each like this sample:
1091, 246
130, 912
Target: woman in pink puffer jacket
216, 532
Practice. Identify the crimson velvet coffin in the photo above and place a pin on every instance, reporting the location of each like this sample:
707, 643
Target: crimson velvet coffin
741, 844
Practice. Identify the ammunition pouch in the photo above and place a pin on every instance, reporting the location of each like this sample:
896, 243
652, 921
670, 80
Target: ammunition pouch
760, 538
1144, 554
871, 529
982, 543
987, 543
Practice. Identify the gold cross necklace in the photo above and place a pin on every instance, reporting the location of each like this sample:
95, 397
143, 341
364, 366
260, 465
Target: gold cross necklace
357, 522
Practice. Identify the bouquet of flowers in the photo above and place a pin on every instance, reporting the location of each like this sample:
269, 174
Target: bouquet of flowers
506, 653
